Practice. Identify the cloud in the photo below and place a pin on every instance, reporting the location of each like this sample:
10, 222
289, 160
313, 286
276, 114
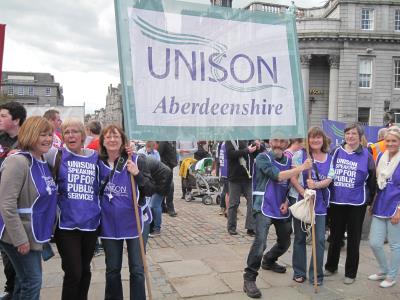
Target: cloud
75, 34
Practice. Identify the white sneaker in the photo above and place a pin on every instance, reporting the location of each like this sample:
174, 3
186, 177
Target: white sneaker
387, 283
377, 277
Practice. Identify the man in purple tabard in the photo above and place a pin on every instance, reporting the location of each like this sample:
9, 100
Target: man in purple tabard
270, 206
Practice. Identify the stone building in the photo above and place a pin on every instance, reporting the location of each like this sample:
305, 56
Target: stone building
31, 88
113, 110
350, 59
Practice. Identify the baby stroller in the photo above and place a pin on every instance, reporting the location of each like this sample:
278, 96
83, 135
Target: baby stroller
203, 184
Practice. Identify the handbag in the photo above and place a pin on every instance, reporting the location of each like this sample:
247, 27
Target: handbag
301, 209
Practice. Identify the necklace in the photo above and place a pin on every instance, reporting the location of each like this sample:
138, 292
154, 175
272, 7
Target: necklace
41, 168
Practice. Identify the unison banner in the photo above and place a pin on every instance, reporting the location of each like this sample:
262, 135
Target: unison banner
334, 130
2, 34
192, 71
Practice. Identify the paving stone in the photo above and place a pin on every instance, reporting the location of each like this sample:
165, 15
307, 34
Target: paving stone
164, 255
235, 281
199, 286
185, 268
227, 264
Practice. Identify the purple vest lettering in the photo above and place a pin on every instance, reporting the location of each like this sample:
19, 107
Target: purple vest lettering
118, 219
78, 198
351, 173
275, 193
223, 161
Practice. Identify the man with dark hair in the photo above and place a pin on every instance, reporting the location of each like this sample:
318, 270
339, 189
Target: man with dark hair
53, 116
12, 115
168, 156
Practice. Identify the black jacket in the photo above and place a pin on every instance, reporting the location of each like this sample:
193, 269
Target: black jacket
161, 175
167, 152
237, 172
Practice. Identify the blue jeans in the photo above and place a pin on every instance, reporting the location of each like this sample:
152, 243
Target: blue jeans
28, 269
155, 204
380, 228
283, 230
114, 250
299, 258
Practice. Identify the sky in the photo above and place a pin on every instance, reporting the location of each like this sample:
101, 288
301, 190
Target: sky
75, 41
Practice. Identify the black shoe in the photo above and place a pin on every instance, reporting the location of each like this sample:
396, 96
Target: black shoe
172, 214
251, 232
274, 268
232, 232
251, 289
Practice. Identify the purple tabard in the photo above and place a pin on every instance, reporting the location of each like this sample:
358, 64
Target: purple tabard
275, 193
388, 199
351, 174
323, 195
118, 219
78, 187
43, 209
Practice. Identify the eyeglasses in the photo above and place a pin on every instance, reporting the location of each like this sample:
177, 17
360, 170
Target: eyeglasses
72, 132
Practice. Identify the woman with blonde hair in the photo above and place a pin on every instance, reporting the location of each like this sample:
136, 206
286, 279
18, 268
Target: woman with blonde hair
28, 206
76, 173
386, 210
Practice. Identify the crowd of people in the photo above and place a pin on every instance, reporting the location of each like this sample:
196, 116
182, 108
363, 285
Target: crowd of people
70, 184
74, 185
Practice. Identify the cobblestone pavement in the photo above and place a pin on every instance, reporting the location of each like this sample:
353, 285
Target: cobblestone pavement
195, 258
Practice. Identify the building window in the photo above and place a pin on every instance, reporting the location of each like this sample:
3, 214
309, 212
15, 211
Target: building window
363, 115
30, 91
10, 90
48, 91
367, 19
397, 20
365, 73
397, 74
20, 91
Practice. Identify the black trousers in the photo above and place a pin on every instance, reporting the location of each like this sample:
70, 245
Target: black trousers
168, 201
9, 272
76, 249
342, 218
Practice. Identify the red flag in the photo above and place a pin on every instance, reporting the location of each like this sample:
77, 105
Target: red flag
2, 34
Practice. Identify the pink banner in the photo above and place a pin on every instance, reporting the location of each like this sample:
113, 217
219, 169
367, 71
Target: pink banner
2, 34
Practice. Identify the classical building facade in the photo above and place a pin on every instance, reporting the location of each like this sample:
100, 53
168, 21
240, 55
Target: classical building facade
350, 59
31, 88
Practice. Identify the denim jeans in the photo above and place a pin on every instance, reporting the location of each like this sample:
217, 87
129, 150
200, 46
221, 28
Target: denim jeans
380, 228
283, 230
114, 251
236, 189
28, 269
155, 205
299, 258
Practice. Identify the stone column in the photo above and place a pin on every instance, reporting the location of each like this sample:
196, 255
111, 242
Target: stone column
334, 61
305, 74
